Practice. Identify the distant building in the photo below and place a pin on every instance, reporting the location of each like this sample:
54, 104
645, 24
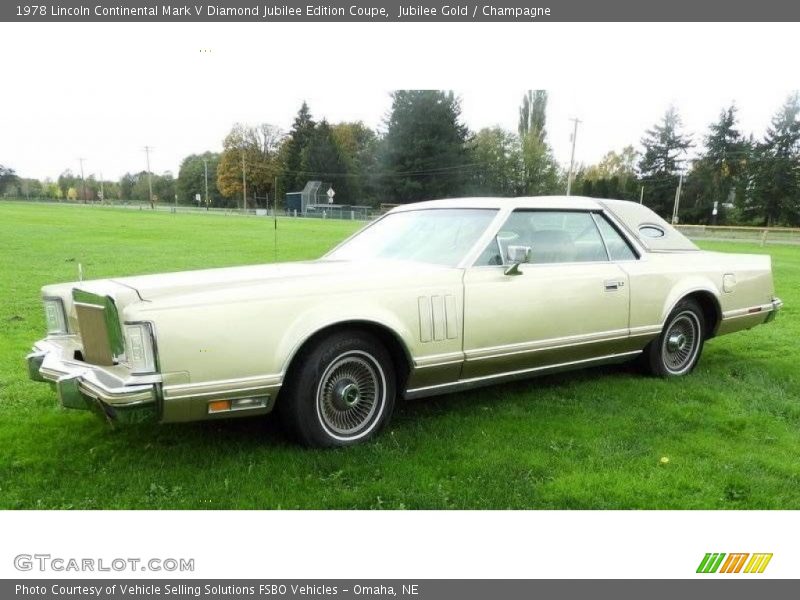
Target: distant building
315, 192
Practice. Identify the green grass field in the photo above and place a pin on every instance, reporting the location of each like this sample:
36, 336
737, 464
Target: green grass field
588, 439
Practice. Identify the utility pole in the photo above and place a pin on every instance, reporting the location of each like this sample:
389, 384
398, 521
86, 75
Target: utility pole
102, 191
244, 184
677, 200
83, 182
572, 155
149, 176
275, 219
205, 166
641, 195
275, 203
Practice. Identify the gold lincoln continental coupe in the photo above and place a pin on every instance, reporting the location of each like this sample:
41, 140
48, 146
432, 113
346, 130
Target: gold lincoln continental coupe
431, 298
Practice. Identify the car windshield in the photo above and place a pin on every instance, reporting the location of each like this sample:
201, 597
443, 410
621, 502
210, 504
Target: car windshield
440, 236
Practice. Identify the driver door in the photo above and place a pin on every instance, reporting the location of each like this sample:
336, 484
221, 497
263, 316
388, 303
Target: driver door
568, 305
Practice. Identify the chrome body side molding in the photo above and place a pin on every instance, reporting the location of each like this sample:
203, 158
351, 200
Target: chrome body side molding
476, 382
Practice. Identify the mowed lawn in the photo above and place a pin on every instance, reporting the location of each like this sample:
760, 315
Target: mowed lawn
728, 436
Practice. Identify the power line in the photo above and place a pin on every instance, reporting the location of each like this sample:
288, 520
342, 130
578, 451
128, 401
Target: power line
435, 171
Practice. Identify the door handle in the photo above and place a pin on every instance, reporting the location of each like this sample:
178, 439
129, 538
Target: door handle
612, 285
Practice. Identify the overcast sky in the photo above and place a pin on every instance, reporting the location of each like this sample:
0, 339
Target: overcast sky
103, 91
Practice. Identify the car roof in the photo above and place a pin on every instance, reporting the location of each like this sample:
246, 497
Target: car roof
551, 202
632, 215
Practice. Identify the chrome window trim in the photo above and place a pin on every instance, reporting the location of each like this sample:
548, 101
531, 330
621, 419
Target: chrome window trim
627, 235
524, 266
602, 237
600, 214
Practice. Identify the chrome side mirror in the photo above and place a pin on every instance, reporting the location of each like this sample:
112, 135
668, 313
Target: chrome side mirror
517, 255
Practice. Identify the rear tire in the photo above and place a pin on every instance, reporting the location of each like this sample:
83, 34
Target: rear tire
341, 393
677, 349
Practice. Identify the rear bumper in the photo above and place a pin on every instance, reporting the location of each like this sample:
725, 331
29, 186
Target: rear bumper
777, 304
114, 396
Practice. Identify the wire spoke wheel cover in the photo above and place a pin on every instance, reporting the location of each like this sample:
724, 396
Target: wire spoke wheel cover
681, 342
351, 395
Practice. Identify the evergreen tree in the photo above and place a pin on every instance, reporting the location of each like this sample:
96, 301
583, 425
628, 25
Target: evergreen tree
424, 154
7, 177
292, 180
664, 149
775, 197
323, 160
721, 174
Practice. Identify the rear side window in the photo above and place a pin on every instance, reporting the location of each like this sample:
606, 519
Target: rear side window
618, 248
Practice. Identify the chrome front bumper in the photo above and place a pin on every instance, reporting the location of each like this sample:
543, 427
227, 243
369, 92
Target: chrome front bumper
79, 385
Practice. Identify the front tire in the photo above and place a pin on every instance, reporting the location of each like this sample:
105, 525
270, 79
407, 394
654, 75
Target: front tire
677, 349
341, 393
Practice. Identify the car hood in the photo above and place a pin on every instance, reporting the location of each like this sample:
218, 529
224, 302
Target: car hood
154, 287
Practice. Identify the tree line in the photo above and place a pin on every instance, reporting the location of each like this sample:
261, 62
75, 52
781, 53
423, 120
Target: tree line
425, 151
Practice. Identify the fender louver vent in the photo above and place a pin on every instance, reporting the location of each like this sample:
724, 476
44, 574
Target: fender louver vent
438, 318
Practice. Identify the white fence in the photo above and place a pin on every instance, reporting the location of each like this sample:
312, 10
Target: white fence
358, 213
758, 235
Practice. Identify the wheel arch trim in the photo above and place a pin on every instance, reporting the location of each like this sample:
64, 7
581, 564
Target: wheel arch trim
368, 324
704, 293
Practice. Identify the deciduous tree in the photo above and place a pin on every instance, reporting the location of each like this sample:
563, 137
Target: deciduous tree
253, 149
358, 146
533, 114
497, 156
192, 179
